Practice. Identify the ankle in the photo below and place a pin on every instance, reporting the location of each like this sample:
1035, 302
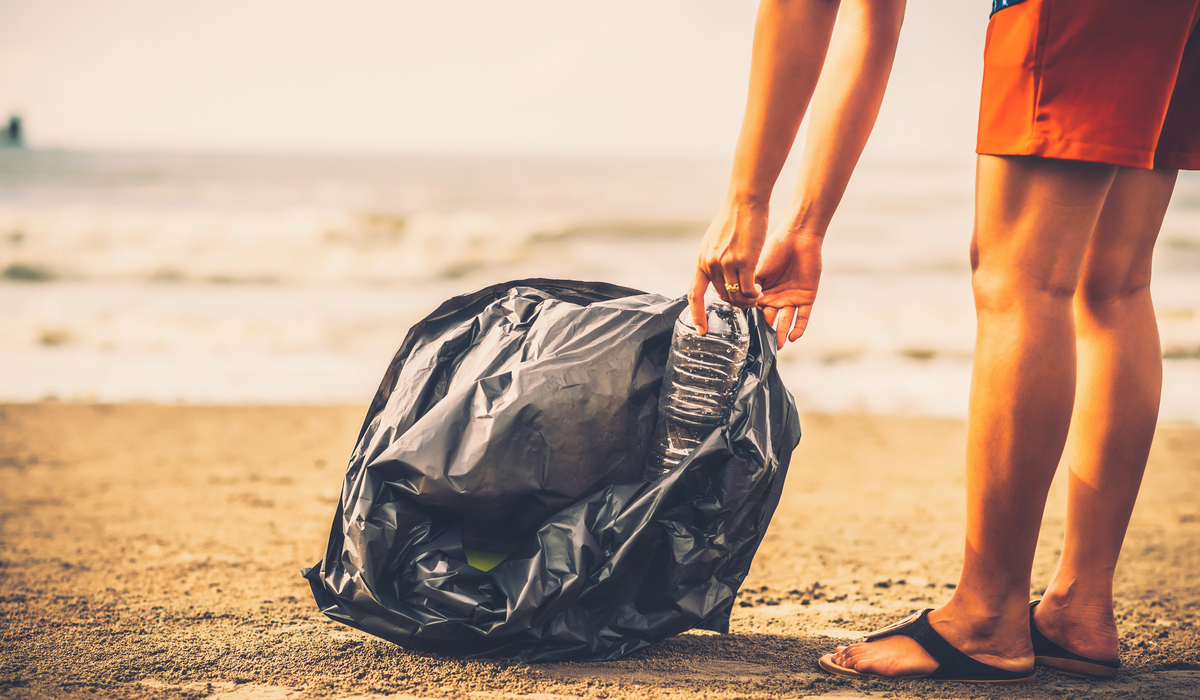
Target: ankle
988, 613
1000, 627
1075, 620
1070, 599
997, 639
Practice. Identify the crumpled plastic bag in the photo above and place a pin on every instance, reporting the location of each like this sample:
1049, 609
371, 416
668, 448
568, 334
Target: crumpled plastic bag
530, 407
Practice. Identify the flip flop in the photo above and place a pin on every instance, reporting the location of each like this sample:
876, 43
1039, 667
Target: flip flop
953, 665
1047, 653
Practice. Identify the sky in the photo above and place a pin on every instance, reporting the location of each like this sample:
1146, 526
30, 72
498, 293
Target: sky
628, 78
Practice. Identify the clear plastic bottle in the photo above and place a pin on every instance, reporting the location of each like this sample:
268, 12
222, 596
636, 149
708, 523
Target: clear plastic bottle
702, 378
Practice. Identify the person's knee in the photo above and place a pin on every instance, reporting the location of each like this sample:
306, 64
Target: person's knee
1015, 271
1097, 293
1114, 275
999, 287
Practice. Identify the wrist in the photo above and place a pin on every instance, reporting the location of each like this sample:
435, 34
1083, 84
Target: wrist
806, 230
806, 223
751, 199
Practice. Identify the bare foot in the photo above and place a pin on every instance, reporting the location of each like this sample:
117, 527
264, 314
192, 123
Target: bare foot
892, 657
1002, 644
1087, 630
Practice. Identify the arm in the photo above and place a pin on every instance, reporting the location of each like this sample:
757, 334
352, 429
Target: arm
791, 40
845, 106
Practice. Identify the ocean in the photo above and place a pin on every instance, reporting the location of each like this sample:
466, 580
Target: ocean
292, 279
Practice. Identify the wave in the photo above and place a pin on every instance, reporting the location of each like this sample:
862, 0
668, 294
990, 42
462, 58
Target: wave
288, 246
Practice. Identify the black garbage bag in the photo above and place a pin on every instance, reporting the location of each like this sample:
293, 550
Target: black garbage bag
527, 409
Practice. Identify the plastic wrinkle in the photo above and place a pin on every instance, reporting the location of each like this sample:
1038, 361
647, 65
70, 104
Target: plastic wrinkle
528, 408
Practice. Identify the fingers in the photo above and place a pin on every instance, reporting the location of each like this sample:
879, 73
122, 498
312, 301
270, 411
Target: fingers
802, 314
725, 282
721, 285
744, 293
745, 277
696, 301
785, 325
717, 279
789, 322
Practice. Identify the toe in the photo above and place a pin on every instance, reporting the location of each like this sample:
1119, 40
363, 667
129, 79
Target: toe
842, 654
856, 655
889, 657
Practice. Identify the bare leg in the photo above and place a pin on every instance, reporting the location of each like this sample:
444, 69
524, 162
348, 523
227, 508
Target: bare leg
1116, 408
1034, 219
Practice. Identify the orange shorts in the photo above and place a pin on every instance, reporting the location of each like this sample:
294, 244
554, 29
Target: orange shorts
1109, 81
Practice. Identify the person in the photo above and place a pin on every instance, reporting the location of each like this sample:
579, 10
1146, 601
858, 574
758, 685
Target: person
1088, 110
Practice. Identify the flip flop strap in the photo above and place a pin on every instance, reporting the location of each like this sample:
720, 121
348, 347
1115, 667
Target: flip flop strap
952, 663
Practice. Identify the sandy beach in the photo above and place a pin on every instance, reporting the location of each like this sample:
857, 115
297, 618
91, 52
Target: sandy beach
154, 551
219, 221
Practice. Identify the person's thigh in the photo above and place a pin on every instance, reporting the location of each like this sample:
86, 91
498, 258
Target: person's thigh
1033, 220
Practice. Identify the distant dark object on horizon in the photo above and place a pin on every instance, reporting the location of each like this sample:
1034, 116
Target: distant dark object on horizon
13, 135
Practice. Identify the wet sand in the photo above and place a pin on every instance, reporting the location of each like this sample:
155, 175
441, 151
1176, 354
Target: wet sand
154, 552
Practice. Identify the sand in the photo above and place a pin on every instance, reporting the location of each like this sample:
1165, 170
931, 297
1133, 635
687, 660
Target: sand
154, 552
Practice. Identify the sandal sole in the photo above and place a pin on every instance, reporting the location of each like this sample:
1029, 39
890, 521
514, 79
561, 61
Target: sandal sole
1072, 667
826, 663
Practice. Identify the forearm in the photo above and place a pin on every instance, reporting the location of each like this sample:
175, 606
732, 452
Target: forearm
845, 106
791, 38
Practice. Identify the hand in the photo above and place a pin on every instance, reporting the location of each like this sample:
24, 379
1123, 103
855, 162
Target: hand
729, 256
789, 270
